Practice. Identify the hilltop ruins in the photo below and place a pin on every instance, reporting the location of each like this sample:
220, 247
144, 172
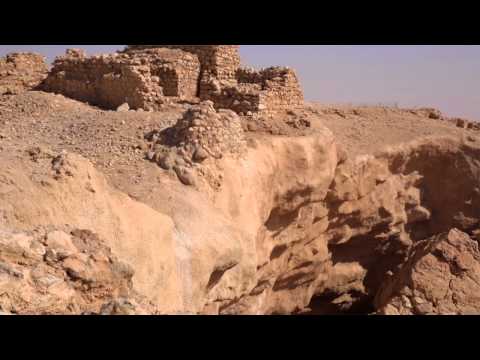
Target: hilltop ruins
147, 76
21, 71
192, 208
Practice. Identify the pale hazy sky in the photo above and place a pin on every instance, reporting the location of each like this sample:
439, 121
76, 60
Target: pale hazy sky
444, 77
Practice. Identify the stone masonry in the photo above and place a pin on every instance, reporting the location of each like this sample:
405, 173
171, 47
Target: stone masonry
220, 61
265, 91
144, 80
20, 72
147, 76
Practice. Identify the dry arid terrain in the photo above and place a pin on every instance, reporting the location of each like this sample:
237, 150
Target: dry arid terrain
168, 180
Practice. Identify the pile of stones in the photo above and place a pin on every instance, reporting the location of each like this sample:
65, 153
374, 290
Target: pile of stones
202, 136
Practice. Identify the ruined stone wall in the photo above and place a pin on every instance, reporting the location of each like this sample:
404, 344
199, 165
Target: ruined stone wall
220, 61
21, 71
282, 90
266, 91
145, 76
143, 79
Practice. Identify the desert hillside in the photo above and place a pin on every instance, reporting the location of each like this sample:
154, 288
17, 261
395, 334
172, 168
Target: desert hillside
169, 180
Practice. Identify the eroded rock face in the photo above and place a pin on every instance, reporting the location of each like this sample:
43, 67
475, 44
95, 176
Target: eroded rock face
440, 276
66, 190
380, 206
292, 219
289, 176
61, 272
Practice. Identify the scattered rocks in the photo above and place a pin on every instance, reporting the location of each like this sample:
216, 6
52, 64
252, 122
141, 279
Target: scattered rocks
443, 270
201, 134
68, 280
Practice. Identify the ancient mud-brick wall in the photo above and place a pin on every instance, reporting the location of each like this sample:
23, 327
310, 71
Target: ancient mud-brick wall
21, 71
143, 79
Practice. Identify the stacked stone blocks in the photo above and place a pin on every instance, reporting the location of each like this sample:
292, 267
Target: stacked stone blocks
147, 76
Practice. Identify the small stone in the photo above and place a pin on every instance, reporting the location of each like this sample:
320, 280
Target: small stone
166, 162
185, 175
252, 127
75, 268
419, 300
406, 302
123, 108
180, 161
60, 244
200, 155
37, 248
118, 307
151, 155
390, 310
7, 269
425, 308
48, 280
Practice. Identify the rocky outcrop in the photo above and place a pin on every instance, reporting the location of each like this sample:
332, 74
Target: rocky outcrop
21, 72
380, 206
60, 272
441, 275
66, 191
273, 194
292, 223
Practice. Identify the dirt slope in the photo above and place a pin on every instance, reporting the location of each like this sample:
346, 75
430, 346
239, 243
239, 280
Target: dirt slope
324, 204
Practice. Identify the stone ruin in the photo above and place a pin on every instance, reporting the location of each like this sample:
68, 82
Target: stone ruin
202, 134
20, 72
148, 76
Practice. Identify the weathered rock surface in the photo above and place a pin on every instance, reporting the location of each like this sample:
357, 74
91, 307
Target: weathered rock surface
440, 276
58, 272
289, 223
75, 193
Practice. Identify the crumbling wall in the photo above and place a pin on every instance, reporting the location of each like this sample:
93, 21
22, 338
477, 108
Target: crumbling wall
281, 89
145, 76
220, 61
21, 71
143, 80
266, 91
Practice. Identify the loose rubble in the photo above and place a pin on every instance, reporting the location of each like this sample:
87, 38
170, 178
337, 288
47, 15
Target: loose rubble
202, 134
49, 271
